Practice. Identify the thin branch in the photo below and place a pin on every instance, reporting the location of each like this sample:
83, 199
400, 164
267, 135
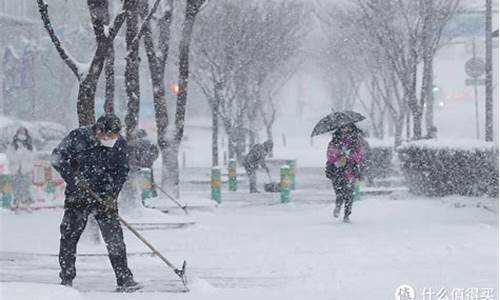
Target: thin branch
145, 22
44, 12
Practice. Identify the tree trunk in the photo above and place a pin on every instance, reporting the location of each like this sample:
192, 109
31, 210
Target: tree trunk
132, 86
398, 134
415, 107
407, 114
241, 138
88, 86
232, 142
170, 174
157, 63
489, 120
215, 135
109, 71
85, 105
170, 171
391, 125
269, 134
429, 112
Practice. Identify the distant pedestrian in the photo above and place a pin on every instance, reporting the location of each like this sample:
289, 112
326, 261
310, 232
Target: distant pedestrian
345, 158
256, 158
143, 154
21, 158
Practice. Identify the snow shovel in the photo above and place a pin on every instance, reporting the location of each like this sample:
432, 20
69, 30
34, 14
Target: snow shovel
183, 207
271, 187
179, 272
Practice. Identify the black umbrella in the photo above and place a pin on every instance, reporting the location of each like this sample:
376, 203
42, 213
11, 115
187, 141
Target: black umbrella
336, 120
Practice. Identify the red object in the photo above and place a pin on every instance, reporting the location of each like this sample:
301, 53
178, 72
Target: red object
39, 174
48, 173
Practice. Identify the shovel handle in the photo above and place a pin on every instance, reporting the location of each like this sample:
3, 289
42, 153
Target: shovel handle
269, 176
183, 207
137, 234
151, 247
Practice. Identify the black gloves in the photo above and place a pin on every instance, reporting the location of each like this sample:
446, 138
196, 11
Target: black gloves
109, 205
81, 183
330, 171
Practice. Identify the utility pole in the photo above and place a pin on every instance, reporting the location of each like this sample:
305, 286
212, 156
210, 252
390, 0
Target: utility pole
475, 90
489, 75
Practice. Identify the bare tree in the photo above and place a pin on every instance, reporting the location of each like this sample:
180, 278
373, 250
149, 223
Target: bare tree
267, 104
87, 74
170, 154
348, 59
278, 57
240, 50
132, 84
409, 32
220, 57
157, 54
341, 57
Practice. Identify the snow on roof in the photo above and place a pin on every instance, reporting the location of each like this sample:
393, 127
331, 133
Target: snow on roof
451, 144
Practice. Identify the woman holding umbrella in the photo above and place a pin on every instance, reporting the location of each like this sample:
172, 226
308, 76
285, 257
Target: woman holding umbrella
345, 157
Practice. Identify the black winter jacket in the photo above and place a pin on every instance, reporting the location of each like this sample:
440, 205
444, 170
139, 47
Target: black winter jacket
105, 169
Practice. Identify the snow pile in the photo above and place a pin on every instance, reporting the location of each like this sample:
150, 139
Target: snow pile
199, 285
378, 143
29, 291
451, 144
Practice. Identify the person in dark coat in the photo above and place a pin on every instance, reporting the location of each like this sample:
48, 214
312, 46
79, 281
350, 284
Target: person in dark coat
256, 157
345, 158
143, 155
93, 158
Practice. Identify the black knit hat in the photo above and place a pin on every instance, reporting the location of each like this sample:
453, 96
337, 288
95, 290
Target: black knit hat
268, 145
108, 123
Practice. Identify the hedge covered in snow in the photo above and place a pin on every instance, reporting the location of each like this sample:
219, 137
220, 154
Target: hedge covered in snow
446, 167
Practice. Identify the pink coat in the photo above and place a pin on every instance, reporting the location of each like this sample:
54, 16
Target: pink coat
352, 150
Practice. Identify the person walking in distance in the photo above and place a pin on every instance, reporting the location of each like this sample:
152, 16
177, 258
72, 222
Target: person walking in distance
257, 157
345, 158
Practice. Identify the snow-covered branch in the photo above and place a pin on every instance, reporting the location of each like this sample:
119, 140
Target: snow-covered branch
65, 56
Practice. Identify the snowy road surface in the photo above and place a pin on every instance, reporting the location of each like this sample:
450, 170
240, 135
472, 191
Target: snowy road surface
253, 247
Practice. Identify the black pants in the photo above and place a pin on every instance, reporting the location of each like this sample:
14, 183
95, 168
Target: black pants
154, 192
343, 192
252, 178
72, 226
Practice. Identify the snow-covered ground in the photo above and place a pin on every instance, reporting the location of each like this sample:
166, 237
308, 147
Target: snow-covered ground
251, 246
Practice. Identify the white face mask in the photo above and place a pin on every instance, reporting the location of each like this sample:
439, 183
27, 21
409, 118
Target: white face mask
108, 143
21, 137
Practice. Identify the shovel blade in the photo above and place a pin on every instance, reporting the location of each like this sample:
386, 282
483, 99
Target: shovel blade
182, 275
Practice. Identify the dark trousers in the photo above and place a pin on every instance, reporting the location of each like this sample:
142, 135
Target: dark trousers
154, 192
343, 192
252, 178
72, 226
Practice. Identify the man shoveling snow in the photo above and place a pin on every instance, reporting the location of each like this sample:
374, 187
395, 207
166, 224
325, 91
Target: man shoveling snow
93, 159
